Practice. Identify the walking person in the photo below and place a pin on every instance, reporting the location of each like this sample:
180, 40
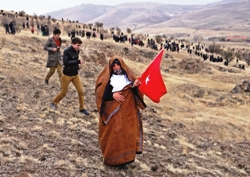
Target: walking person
70, 74
101, 36
11, 24
73, 34
32, 29
120, 124
6, 28
94, 35
19, 28
14, 28
54, 61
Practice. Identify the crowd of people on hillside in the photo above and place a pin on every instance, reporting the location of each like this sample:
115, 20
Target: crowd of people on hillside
45, 31
12, 28
82, 33
119, 101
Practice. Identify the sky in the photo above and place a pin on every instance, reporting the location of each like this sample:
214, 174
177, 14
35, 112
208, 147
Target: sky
40, 7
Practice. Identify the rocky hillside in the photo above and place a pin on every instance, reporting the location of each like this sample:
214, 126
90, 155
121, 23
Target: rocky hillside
143, 15
82, 13
213, 17
200, 128
139, 15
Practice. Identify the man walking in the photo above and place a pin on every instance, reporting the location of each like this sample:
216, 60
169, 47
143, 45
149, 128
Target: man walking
54, 61
70, 74
6, 28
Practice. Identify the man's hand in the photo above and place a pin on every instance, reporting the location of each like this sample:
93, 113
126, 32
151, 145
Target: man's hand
81, 61
54, 49
118, 97
137, 82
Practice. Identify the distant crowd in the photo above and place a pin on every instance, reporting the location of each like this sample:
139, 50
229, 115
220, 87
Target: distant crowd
168, 45
12, 28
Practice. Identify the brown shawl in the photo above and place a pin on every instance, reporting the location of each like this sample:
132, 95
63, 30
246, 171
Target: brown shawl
120, 125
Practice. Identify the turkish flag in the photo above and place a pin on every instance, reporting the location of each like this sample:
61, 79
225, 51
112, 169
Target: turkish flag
152, 84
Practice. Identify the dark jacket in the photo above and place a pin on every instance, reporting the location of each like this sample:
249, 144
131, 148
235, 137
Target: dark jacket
53, 57
71, 61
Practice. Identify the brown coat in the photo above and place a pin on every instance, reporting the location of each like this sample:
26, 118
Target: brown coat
120, 125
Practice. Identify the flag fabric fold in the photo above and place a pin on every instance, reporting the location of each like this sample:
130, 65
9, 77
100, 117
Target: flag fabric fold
152, 84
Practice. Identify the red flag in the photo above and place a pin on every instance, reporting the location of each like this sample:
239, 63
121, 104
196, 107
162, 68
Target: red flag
152, 84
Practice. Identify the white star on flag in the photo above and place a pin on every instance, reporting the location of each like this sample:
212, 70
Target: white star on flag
147, 79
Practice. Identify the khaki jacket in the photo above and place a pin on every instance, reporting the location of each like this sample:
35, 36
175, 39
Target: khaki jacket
53, 57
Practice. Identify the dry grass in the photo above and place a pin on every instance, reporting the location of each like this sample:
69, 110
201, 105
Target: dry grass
2, 43
183, 134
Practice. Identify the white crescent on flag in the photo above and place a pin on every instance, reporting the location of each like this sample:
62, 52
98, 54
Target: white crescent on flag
147, 79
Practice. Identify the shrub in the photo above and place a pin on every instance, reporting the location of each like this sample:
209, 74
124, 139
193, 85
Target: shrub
158, 39
2, 43
165, 36
118, 31
198, 38
171, 37
41, 18
35, 16
98, 24
129, 31
228, 54
238, 55
90, 25
67, 28
21, 13
84, 26
214, 48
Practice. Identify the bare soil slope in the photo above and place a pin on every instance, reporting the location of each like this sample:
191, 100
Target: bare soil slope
198, 129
